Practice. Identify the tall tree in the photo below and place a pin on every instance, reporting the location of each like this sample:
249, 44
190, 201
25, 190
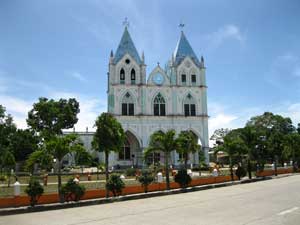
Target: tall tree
234, 147
23, 143
166, 143
274, 128
59, 147
291, 148
187, 143
49, 117
7, 130
109, 136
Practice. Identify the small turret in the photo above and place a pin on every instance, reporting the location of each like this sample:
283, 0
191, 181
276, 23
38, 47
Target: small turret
202, 62
143, 57
111, 59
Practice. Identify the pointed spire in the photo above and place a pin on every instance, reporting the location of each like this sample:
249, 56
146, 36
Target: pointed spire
126, 45
202, 62
143, 57
184, 49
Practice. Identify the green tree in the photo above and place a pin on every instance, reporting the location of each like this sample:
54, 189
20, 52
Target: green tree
292, 148
166, 143
187, 143
41, 157
49, 117
7, 163
83, 158
59, 147
73, 191
115, 184
7, 130
182, 178
234, 147
34, 190
23, 143
273, 128
146, 179
109, 136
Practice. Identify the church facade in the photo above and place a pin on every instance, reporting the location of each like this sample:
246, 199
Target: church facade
173, 97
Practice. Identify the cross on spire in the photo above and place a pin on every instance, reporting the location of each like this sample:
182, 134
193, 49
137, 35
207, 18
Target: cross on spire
126, 22
181, 25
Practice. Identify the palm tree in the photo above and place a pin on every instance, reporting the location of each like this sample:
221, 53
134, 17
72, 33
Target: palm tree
109, 136
60, 146
166, 143
186, 144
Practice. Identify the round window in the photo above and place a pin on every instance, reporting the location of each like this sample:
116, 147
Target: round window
127, 61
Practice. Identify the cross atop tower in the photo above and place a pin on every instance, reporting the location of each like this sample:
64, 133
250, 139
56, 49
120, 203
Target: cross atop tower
126, 22
181, 25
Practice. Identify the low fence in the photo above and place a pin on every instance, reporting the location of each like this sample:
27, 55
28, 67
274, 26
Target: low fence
100, 193
265, 173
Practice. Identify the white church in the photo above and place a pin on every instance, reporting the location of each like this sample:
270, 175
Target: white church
173, 97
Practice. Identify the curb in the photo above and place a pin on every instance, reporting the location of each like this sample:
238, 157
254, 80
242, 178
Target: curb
88, 202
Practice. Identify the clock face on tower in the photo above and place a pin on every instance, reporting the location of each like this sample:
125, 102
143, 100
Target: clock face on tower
158, 79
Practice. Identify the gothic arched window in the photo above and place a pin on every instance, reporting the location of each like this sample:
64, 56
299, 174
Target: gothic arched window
189, 106
132, 76
127, 105
159, 105
122, 76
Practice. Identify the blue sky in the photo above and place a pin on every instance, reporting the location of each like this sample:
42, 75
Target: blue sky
60, 48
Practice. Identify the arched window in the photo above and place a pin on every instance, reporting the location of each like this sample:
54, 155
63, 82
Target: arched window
127, 105
132, 76
122, 76
189, 106
159, 105
193, 79
124, 154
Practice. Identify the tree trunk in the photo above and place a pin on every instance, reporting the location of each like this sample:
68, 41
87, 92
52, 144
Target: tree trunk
61, 197
231, 169
249, 168
167, 171
186, 161
275, 165
106, 174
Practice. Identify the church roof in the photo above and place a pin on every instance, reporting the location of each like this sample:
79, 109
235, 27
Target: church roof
184, 49
126, 45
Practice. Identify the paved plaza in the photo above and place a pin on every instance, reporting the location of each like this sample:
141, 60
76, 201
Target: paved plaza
273, 202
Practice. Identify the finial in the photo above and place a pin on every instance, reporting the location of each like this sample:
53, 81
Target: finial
157, 63
126, 23
202, 62
111, 53
181, 25
143, 56
87, 129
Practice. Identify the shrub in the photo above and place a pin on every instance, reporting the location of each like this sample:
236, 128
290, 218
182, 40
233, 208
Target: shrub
115, 184
145, 179
34, 190
240, 172
130, 172
72, 191
182, 178
3, 178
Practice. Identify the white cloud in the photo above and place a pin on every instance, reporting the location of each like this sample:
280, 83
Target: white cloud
227, 32
78, 76
18, 108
